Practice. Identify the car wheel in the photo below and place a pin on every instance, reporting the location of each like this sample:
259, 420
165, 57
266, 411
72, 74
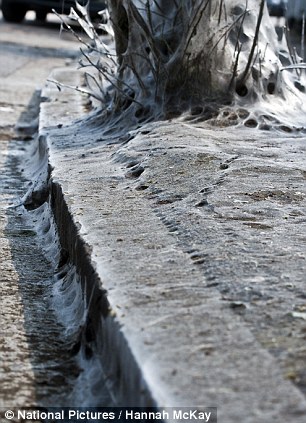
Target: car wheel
13, 11
41, 15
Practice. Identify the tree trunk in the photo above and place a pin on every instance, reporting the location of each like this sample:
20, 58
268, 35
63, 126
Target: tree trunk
184, 52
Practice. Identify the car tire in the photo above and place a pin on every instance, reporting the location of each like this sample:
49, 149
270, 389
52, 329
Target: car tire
13, 11
41, 15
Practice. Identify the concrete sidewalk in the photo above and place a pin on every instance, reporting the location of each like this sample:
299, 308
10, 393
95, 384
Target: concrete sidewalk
198, 236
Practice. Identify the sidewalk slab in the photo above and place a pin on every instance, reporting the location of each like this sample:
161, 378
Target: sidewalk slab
198, 236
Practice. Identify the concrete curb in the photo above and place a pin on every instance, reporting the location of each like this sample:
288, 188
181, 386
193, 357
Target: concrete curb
101, 327
167, 337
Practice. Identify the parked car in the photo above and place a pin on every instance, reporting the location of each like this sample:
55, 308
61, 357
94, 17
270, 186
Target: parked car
15, 10
277, 7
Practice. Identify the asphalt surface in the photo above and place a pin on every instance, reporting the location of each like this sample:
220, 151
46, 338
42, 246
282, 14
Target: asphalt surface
37, 364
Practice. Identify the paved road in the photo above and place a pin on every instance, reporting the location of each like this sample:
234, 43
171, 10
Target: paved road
27, 54
36, 364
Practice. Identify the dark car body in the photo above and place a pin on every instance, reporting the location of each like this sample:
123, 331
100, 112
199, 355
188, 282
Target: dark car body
15, 10
277, 7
